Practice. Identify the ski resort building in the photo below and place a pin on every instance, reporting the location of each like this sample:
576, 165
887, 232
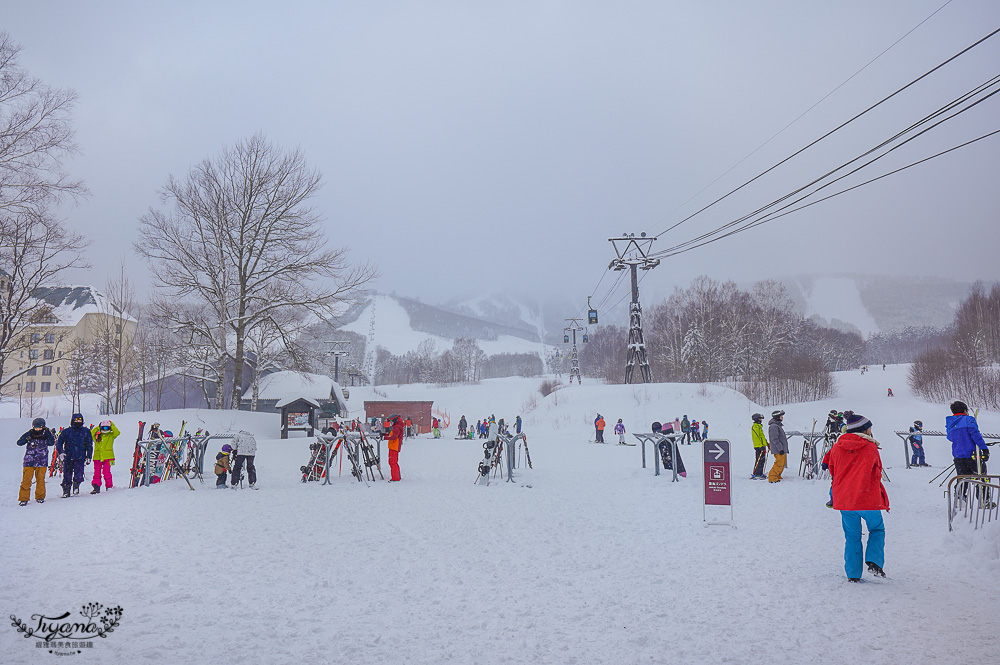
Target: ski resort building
70, 317
418, 411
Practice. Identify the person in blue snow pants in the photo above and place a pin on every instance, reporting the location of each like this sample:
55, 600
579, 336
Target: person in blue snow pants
855, 556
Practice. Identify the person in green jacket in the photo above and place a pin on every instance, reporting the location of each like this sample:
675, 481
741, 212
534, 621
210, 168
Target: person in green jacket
104, 454
759, 447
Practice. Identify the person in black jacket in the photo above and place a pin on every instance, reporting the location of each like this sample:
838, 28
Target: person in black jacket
77, 444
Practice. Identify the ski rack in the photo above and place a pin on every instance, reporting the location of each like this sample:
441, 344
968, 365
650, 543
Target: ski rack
497, 447
809, 462
981, 507
354, 445
905, 434
193, 464
656, 440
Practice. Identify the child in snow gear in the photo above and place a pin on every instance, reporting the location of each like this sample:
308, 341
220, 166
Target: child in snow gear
704, 430
686, 430
599, 428
104, 436
759, 447
222, 466
916, 440
36, 459
395, 442
778, 445
620, 431
76, 443
858, 493
245, 447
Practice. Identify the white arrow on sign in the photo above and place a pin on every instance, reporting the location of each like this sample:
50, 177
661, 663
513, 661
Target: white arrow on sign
719, 451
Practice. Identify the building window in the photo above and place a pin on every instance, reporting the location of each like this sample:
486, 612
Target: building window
32, 371
60, 355
29, 387
36, 338
48, 354
57, 386
33, 354
58, 369
46, 387
50, 338
118, 329
47, 370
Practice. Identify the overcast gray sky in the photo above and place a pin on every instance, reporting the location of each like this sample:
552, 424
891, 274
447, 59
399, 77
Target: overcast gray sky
495, 146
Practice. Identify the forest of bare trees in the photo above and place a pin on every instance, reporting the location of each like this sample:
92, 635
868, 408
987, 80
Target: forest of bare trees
464, 362
752, 341
968, 366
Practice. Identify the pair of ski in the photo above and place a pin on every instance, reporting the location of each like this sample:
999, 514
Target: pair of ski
139, 462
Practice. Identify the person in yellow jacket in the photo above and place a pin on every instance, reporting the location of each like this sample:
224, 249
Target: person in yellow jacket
104, 454
759, 447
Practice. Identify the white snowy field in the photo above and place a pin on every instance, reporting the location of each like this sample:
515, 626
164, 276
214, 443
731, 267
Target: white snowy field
587, 558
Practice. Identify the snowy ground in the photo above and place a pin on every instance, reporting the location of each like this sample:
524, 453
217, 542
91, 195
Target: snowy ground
588, 558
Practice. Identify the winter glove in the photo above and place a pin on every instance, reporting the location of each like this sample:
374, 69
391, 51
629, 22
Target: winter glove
87, 462
112, 462
984, 454
825, 466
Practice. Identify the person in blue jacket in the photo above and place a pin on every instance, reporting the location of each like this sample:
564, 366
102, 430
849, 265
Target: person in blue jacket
77, 444
917, 444
963, 432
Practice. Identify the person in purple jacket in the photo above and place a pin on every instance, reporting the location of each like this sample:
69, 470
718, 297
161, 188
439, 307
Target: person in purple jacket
36, 460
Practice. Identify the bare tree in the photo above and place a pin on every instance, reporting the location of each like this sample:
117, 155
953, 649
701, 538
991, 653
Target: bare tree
242, 240
35, 136
113, 334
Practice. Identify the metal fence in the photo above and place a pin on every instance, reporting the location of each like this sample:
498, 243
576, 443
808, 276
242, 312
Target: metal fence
973, 498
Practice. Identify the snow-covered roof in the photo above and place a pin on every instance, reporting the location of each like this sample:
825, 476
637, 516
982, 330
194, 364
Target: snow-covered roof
293, 385
284, 401
71, 303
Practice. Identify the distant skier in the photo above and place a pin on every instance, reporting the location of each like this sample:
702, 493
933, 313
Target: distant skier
463, 426
686, 430
704, 430
883, 367
517, 425
778, 445
77, 444
36, 460
620, 431
436, 426
104, 436
858, 493
890, 393
599, 428
916, 440
695, 430
759, 447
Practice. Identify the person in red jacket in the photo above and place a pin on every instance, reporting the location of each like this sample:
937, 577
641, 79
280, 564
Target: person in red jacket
858, 493
395, 438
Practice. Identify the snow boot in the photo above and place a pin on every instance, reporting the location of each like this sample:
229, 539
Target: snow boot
829, 504
96, 490
39, 500
22, 503
854, 579
76, 488
65, 493
875, 569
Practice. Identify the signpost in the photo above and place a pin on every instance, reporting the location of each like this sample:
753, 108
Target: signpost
718, 478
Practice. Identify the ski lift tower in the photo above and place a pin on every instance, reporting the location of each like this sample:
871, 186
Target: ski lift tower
338, 349
573, 327
633, 253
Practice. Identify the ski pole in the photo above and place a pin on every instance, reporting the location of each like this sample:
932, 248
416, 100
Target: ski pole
952, 466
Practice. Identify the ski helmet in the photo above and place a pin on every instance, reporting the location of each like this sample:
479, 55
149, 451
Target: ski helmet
777, 414
156, 425
918, 424
38, 422
227, 448
757, 417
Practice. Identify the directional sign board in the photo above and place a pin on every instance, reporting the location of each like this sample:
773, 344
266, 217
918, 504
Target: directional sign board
718, 480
